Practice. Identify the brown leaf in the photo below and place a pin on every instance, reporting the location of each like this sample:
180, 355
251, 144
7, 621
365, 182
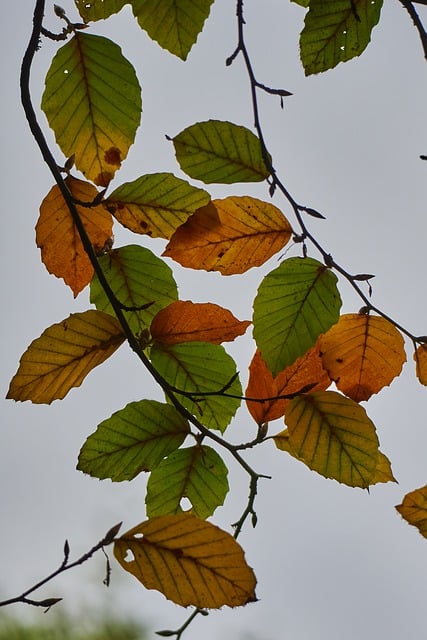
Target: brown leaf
189, 560
362, 354
62, 251
230, 236
420, 357
185, 321
306, 370
414, 509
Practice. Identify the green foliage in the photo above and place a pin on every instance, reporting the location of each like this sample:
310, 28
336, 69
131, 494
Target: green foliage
295, 303
336, 31
197, 473
141, 282
216, 151
132, 440
92, 101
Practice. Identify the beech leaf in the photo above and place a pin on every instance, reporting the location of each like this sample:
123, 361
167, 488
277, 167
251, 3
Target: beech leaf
92, 10
92, 101
420, 357
189, 560
308, 369
333, 435
201, 370
186, 321
133, 440
174, 25
155, 204
62, 251
336, 31
230, 236
197, 473
294, 304
141, 282
362, 354
63, 355
217, 151
414, 509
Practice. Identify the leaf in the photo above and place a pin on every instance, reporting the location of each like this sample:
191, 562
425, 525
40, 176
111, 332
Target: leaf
174, 25
63, 355
185, 321
414, 509
295, 303
362, 354
141, 281
132, 440
420, 357
333, 435
155, 204
197, 473
336, 31
189, 560
92, 101
304, 371
201, 370
62, 251
230, 236
217, 151
91, 10
383, 472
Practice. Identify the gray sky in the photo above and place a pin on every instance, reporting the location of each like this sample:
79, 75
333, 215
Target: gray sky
331, 562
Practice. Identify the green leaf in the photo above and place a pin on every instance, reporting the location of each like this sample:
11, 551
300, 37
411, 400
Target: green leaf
302, 3
333, 435
336, 31
132, 440
174, 25
140, 281
216, 151
155, 204
91, 10
92, 101
197, 473
200, 367
295, 303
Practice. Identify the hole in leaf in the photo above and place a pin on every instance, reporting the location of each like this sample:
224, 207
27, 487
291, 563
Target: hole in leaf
129, 557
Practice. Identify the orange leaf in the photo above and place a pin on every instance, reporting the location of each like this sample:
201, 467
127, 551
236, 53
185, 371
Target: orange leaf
63, 355
420, 357
189, 560
414, 509
230, 236
185, 321
56, 235
304, 371
362, 354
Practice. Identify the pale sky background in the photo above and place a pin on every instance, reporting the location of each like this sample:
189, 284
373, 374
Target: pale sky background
333, 563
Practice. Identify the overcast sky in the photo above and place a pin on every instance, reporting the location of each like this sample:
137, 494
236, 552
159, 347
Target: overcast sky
332, 562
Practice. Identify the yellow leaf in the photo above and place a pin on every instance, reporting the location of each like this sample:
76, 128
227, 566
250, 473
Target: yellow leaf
189, 560
362, 354
333, 435
414, 509
382, 473
56, 235
420, 357
63, 356
230, 236
186, 321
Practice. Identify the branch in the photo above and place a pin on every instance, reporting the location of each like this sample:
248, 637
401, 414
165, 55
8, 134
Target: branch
409, 6
64, 566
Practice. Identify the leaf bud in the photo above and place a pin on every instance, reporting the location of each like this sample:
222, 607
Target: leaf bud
59, 11
166, 633
111, 534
